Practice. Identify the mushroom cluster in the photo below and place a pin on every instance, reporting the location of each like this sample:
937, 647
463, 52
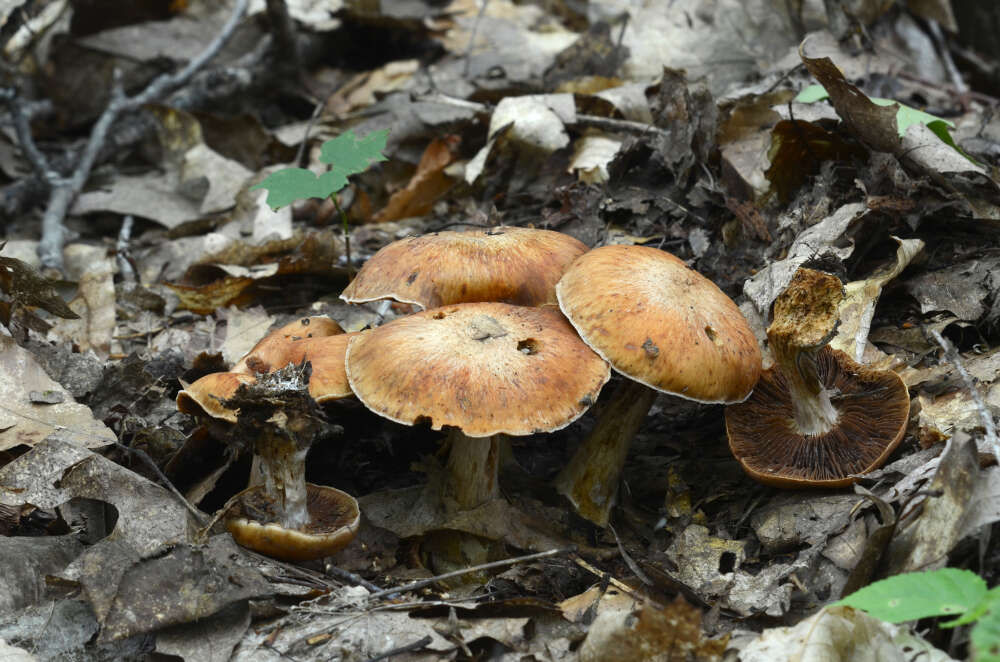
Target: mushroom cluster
491, 355
817, 418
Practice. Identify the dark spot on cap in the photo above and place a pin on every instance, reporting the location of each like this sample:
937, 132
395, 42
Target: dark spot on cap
412, 277
586, 401
652, 351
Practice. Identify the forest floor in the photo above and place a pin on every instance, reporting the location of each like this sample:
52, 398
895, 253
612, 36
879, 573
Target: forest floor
125, 188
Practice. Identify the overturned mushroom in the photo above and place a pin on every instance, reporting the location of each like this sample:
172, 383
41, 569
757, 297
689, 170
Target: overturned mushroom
508, 264
286, 517
665, 328
481, 370
817, 418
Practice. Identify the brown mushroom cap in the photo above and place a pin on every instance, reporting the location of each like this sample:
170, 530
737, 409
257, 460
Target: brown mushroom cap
486, 368
269, 354
510, 264
872, 410
334, 521
660, 323
204, 396
328, 380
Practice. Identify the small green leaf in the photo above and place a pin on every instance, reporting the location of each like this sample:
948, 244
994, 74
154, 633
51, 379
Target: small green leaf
349, 155
811, 94
290, 184
944, 592
985, 638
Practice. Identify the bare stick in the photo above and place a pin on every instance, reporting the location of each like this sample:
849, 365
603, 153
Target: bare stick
22, 125
64, 192
413, 586
122, 253
406, 648
989, 426
199, 516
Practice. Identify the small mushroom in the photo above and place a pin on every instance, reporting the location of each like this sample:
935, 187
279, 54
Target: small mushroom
664, 327
286, 517
269, 354
482, 370
508, 264
817, 418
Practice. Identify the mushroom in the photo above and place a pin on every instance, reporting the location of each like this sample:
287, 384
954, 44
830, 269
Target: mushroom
665, 328
817, 418
268, 355
286, 517
508, 264
481, 370
280, 514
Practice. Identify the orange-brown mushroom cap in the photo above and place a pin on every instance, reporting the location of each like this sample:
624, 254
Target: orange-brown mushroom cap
334, 520
872, 411
508, 264
270, 353
660, 323
204, 396
328, 380
486, 368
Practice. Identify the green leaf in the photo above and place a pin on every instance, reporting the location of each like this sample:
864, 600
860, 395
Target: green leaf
905, 116
986, 637
811, 94
290, 184
349, 155
989, 601
948, 591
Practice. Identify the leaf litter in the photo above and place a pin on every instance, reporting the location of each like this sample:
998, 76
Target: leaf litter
674, 125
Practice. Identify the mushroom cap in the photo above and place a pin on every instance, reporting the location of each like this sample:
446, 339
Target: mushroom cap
328, 380
486, 368
510, 264
873, 407
334, 520
268, 355
204, 396
660, 323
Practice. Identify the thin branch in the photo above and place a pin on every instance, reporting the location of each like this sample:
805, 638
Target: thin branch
989, 426
405, 648
123, 253
199, 516
21, 117
64, 193
414, 586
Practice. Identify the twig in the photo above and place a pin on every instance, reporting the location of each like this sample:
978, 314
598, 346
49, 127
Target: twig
413, 586
199, 517
64, 192
351, 578
632, 565
989, 426
605, 576
472, 37
595, 121
405, 648
122, 256
21, 117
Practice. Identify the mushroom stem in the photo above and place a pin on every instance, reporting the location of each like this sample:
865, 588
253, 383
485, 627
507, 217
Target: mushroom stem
473, 466
591, 478
283, 469
812, 411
